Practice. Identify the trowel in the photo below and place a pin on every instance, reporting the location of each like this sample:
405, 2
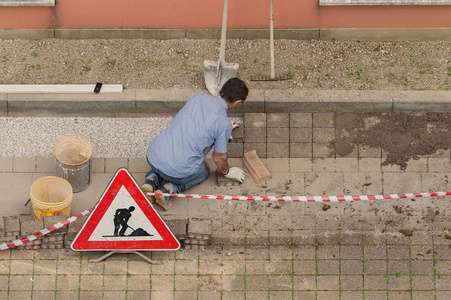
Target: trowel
218, 72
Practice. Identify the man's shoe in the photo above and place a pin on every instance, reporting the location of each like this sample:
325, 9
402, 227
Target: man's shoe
149, 187
164, 201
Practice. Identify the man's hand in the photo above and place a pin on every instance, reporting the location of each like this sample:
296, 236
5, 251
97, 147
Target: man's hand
236, 174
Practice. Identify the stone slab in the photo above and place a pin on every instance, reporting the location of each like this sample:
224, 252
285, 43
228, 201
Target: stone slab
199, 226
13, 203
30, 227
59, 89
386, 34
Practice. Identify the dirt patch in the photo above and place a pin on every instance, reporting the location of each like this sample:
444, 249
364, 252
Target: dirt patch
400, 136
159, 64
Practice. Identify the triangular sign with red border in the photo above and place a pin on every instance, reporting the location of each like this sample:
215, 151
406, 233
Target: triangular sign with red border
124, 219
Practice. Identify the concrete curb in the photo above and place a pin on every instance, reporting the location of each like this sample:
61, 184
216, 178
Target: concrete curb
144, 102
344, 34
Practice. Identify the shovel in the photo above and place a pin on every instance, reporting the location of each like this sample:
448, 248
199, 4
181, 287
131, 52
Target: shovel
218, 72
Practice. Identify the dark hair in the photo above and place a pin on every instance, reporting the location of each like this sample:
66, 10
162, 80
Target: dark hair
234, 89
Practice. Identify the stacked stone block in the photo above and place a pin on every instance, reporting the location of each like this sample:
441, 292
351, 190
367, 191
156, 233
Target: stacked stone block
28, 226
9, 228
199, 233
178, 228
54, 240
72, 230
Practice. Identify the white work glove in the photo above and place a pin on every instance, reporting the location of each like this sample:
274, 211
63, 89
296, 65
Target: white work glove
236, 174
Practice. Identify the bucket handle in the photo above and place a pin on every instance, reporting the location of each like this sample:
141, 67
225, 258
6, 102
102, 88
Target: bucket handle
28, 202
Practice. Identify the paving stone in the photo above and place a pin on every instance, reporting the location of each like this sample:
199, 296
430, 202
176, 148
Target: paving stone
138, 164
238, 133
375, 283
322, 150
112, 164
45, 165
300, 165
277, 165
301, 135
75, 226
402, 183
235, 150
328, 267
277, 120
301, 150
397, 267
417, 165
260, 148
98, 165
254, 120
301, 120
328, 282
199, 226
346, 165
439, 165
323, 135
278, 150
323, 165
11, 225
6, 164
369, 152
277, 135
52, 220
398, 282
24, 164
422, 267
323, 120
255, 135
304, 283
304, 267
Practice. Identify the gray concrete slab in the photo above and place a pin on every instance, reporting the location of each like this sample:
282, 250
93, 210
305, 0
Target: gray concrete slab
386, 34
31, 34
15, 191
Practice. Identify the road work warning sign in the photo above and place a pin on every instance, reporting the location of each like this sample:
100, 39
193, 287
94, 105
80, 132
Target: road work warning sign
124, 219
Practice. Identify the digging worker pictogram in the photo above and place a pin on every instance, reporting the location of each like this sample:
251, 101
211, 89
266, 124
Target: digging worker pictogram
177, 154
121, 218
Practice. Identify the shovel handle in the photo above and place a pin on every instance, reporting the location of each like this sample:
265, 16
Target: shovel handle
223, 31
271, 37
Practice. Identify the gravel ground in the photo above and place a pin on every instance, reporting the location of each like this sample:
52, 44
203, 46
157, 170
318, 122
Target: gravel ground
156, 64
110, 137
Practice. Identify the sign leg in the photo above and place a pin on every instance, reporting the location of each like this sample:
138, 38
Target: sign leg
150, 261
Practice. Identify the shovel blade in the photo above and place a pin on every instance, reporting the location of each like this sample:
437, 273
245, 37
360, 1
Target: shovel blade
226, 71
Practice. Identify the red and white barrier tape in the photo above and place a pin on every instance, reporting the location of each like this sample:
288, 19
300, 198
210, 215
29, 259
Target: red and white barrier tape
307, 198
39, 234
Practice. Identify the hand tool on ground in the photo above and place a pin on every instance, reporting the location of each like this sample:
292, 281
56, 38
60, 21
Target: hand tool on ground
273, 76
218, 72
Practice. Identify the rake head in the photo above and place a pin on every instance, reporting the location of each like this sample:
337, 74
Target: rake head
278, 77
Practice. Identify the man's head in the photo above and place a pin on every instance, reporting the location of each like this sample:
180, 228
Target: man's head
234, 91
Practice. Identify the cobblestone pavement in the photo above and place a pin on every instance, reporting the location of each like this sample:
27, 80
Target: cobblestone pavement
383, 249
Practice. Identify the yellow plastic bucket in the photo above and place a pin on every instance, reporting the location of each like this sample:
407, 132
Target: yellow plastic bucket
51, 196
